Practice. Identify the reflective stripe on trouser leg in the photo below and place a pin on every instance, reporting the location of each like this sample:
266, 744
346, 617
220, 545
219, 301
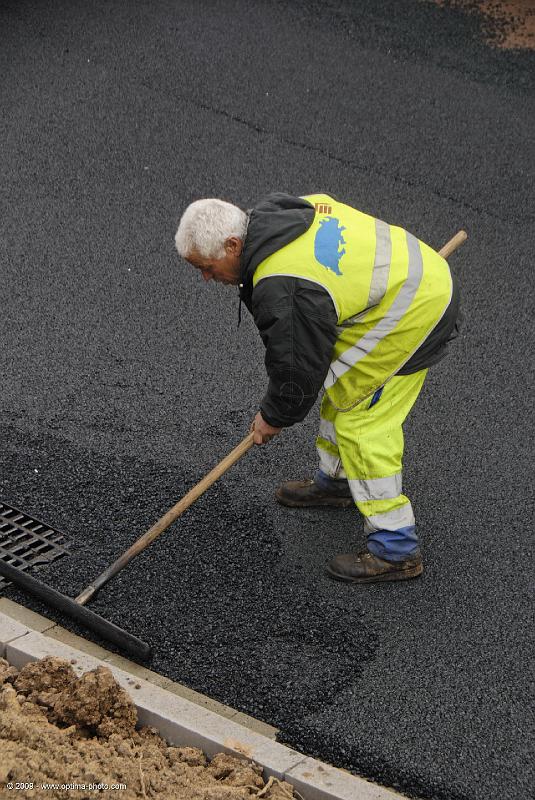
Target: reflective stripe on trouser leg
330, 463
369, 441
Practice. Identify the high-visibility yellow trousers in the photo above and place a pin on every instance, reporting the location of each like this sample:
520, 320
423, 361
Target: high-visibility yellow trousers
364, 447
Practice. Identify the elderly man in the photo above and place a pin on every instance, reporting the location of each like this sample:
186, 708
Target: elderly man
349, 303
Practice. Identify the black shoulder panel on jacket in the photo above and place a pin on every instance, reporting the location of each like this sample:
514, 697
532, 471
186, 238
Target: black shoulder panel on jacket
274, 222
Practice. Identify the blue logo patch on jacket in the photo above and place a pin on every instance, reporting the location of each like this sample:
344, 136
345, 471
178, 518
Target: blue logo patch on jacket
327, 243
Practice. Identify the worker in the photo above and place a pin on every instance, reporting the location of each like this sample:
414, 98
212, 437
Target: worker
346, 302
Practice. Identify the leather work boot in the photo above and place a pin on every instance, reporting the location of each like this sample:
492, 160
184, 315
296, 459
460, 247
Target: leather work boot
307, 494
364, 567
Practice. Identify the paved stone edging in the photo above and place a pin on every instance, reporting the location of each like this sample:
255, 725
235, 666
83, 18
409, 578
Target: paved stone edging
195, 720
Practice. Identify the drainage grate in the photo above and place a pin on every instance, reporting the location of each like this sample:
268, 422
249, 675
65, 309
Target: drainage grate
25, 542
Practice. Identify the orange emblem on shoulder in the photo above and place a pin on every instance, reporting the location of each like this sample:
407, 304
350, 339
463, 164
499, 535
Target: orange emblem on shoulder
323, 208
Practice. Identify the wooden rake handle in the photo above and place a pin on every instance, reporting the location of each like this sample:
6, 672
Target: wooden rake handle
453, 244
167, 519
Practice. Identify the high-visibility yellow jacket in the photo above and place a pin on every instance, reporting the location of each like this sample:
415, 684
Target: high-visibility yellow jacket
388, 291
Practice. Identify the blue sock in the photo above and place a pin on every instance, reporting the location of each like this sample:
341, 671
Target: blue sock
394, 545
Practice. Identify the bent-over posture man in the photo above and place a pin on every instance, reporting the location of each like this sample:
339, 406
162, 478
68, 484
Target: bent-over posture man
344, 301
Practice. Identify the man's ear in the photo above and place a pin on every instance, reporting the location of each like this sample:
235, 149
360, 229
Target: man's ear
233, 246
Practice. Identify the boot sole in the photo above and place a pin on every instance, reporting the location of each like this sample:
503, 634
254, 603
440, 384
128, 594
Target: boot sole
334, 502
402, 575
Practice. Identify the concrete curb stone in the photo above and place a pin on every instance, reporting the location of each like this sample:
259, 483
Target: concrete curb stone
10, 629
25, 616
316, 780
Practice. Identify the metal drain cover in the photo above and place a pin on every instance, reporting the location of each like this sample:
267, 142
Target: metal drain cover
25, 542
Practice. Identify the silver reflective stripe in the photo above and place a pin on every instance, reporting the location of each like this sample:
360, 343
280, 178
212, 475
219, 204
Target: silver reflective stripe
386, 325
376, 488
401, 517
381, 264
330, 465
381, 270
327, 431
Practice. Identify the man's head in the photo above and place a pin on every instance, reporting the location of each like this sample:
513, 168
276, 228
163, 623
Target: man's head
210, 236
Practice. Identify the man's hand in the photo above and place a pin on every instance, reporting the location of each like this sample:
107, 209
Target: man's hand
262, 431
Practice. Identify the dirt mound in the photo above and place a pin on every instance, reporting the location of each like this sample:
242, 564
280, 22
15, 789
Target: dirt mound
94, 702
80, 733
509, 24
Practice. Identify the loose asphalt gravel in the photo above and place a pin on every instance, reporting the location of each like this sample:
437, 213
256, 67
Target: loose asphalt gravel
124, 378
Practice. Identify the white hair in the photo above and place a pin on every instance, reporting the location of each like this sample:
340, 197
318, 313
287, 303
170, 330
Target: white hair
205, 226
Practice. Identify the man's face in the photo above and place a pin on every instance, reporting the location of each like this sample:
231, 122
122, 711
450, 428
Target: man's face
222, 270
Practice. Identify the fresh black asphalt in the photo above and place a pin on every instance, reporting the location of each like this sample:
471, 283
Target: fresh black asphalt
124, 378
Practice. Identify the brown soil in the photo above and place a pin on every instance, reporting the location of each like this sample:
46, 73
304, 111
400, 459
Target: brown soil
56, 728
509, 24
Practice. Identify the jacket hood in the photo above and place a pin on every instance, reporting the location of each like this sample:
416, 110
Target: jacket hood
274, 222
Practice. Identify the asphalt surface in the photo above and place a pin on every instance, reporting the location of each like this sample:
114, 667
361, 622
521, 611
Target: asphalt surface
124, 378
